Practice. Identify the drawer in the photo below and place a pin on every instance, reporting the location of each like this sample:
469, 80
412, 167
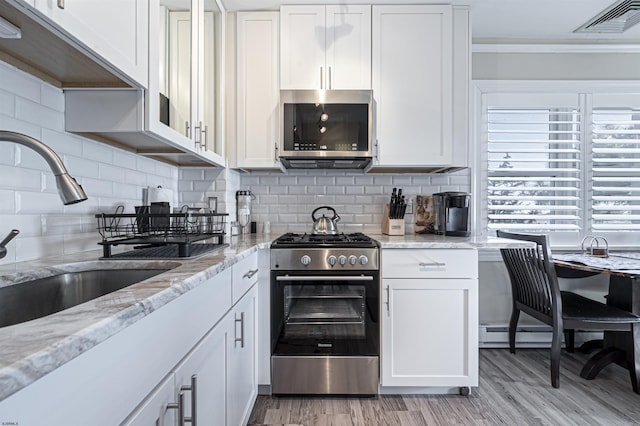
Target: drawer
244, 275
429, 263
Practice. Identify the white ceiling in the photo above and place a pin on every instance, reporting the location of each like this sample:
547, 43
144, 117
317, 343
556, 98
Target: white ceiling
527, 21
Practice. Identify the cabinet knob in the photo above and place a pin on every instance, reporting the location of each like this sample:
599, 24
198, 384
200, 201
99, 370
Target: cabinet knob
60, 4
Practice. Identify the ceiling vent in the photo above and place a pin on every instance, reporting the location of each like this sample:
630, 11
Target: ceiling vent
617, 18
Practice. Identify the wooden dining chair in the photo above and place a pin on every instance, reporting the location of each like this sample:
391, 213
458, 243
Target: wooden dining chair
535, 291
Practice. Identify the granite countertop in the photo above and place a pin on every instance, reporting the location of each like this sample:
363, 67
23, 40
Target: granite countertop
440, 241
32, 349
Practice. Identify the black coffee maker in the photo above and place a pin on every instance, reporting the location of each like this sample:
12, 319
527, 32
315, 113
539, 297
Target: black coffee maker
452, 214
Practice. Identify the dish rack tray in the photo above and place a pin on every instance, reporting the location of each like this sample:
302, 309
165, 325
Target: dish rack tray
158, 229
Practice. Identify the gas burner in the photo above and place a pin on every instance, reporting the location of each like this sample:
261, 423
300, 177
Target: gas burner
356, 239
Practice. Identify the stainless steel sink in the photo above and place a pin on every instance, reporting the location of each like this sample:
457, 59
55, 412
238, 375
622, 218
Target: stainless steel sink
44, 296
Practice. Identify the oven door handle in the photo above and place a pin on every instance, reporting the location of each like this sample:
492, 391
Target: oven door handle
323, 278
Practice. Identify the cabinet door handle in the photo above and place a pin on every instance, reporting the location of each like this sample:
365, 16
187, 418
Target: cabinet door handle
193, 387
205, 132
432, 264
197, 137
187, 129
321, 79
60, 4
241, 338
388, 301
329, 79
377, 154
277, 157
178, 406
250, 273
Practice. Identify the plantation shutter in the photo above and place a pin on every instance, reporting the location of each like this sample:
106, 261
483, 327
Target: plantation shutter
615, 165
533, 162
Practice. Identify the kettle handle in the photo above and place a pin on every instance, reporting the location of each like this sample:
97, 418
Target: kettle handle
335, 217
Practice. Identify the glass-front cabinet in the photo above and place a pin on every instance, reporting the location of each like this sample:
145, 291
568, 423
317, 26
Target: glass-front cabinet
185, 80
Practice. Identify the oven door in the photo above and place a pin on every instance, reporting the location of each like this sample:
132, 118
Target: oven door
324, 314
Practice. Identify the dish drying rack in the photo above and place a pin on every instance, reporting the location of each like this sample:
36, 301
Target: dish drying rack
148, 230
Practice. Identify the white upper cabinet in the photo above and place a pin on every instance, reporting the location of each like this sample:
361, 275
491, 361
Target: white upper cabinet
257, 90
114, 30
185, 80
179, 118
325, 47
412, 85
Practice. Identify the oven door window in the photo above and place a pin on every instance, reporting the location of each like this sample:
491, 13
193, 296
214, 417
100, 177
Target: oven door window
324, 311
326, 318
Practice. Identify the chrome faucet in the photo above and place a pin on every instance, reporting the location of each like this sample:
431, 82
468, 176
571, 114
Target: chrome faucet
11, 236
69, 190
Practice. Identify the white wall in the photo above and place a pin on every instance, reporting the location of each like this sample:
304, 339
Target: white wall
555, 66
28, 195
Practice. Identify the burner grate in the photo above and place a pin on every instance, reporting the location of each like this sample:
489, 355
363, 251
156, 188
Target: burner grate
357, 239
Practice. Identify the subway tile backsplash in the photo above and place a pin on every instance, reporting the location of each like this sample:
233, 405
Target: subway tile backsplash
287, 200
28, 194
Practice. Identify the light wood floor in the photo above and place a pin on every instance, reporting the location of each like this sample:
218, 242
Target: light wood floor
514, 390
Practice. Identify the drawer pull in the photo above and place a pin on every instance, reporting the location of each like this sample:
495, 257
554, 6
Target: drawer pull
250, 273
432, 264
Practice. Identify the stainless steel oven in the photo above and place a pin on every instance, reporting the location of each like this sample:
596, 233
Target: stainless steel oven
325, 319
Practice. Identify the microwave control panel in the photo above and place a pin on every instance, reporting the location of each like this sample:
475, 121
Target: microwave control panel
312, 146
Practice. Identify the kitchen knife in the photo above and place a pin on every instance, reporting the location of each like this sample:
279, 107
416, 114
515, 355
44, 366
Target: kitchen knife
398, 204
392, 203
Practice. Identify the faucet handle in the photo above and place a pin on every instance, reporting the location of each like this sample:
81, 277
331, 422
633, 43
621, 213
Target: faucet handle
11, 236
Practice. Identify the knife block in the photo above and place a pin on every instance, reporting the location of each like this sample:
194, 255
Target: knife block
391, 226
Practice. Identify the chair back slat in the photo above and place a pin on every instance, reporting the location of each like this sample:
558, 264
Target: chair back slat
534, 283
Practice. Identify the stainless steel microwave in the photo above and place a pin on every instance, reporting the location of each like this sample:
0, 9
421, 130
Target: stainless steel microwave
326, 129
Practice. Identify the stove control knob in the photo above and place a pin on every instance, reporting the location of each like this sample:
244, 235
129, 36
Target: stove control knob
352, 260
305, 260
342, 259
363, 260
332, 260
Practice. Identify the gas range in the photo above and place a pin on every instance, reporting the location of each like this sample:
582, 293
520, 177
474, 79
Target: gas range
339, 252
325, 303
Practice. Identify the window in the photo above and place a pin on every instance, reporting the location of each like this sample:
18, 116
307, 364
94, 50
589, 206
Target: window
565, 164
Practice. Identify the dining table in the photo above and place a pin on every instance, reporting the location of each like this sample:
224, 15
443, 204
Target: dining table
623, 269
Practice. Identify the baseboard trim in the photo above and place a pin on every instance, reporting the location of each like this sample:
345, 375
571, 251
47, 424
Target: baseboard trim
527, 336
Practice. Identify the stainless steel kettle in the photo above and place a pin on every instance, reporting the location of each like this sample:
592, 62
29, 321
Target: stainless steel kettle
324, 225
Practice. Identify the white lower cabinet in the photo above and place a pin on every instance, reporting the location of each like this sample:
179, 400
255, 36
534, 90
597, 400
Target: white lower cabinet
153, 410
197, 385
201, 376
218, 378
242, 378
429, 318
